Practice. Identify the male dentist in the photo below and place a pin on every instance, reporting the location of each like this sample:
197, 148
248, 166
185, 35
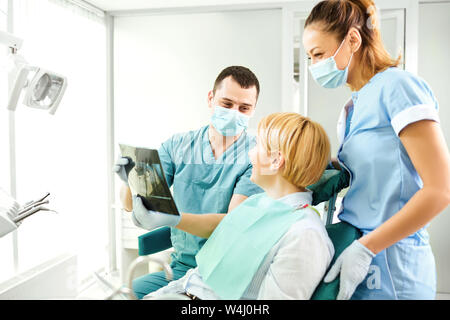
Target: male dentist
210, 172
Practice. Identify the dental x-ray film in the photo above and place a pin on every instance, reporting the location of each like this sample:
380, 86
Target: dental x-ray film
147, 180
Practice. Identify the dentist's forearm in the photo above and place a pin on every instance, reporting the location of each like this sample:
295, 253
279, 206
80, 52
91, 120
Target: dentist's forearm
203, 225
126, 198
200, 225
418, 211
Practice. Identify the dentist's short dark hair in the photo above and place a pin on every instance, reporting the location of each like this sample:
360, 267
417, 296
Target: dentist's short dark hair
242, 75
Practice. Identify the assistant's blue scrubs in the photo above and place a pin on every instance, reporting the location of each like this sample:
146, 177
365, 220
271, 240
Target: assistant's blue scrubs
201, 184
383, 179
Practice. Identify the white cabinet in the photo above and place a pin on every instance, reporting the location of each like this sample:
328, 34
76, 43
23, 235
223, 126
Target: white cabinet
129, 231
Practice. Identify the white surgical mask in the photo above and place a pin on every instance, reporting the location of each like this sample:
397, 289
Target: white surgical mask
327, 74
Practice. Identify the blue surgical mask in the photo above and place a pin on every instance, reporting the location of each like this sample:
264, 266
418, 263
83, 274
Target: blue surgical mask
327, 74
229, 122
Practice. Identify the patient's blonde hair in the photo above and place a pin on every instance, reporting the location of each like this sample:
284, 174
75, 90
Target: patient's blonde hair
303, 143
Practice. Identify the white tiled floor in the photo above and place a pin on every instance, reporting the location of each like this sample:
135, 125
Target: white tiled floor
97, 291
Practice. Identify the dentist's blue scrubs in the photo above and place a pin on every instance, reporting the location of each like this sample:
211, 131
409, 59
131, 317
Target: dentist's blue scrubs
383, 179
201, 184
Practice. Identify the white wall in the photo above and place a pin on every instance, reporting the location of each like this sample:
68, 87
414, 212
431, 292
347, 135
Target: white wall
434, 67
166, 64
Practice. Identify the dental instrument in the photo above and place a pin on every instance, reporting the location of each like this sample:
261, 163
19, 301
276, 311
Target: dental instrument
32, 204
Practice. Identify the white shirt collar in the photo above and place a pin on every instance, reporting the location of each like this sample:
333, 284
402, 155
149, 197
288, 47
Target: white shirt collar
297, 198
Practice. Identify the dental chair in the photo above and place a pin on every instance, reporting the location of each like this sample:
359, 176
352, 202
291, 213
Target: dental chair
341, 234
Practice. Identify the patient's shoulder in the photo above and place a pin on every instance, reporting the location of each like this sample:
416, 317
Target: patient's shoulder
310, 225
311, 220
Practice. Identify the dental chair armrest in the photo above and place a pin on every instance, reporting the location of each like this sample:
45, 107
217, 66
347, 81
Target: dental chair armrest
154, 241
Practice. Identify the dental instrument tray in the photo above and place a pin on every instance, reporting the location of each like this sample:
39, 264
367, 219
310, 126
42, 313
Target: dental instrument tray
147, 180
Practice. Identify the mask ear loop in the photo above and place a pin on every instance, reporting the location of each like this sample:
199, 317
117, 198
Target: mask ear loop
337, 51
350, 61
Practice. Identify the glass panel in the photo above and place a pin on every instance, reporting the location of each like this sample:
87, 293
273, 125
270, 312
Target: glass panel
392, 32
298, 46
65, 153
6, 243
3, 14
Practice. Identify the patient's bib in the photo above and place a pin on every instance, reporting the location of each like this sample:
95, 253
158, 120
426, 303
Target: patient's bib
233, 253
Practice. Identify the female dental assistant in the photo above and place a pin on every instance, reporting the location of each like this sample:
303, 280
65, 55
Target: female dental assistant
393, 147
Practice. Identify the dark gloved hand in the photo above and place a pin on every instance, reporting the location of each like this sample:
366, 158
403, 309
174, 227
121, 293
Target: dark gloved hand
122, 167
331, 182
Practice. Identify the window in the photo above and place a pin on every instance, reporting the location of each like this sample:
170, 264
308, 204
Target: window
6, 242
64, 154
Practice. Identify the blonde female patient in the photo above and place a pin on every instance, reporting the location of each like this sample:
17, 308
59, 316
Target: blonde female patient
274, 245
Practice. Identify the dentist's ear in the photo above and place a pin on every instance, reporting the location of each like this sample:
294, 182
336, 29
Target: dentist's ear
210, 99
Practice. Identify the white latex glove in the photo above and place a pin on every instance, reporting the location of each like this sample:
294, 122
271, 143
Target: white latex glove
353, 265
149, 219
119, 168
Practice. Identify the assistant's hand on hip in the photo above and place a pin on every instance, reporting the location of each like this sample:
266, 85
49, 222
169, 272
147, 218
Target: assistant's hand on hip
149, 219
353, 265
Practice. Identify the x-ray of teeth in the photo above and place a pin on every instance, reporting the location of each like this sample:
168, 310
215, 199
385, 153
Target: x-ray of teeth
147, 180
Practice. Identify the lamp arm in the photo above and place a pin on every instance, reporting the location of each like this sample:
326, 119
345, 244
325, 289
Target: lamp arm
10, 41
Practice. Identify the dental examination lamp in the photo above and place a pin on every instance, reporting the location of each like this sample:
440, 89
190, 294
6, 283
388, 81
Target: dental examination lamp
42, 88
12, 214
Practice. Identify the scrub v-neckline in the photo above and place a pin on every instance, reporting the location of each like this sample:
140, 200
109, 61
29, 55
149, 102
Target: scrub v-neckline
210, 151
